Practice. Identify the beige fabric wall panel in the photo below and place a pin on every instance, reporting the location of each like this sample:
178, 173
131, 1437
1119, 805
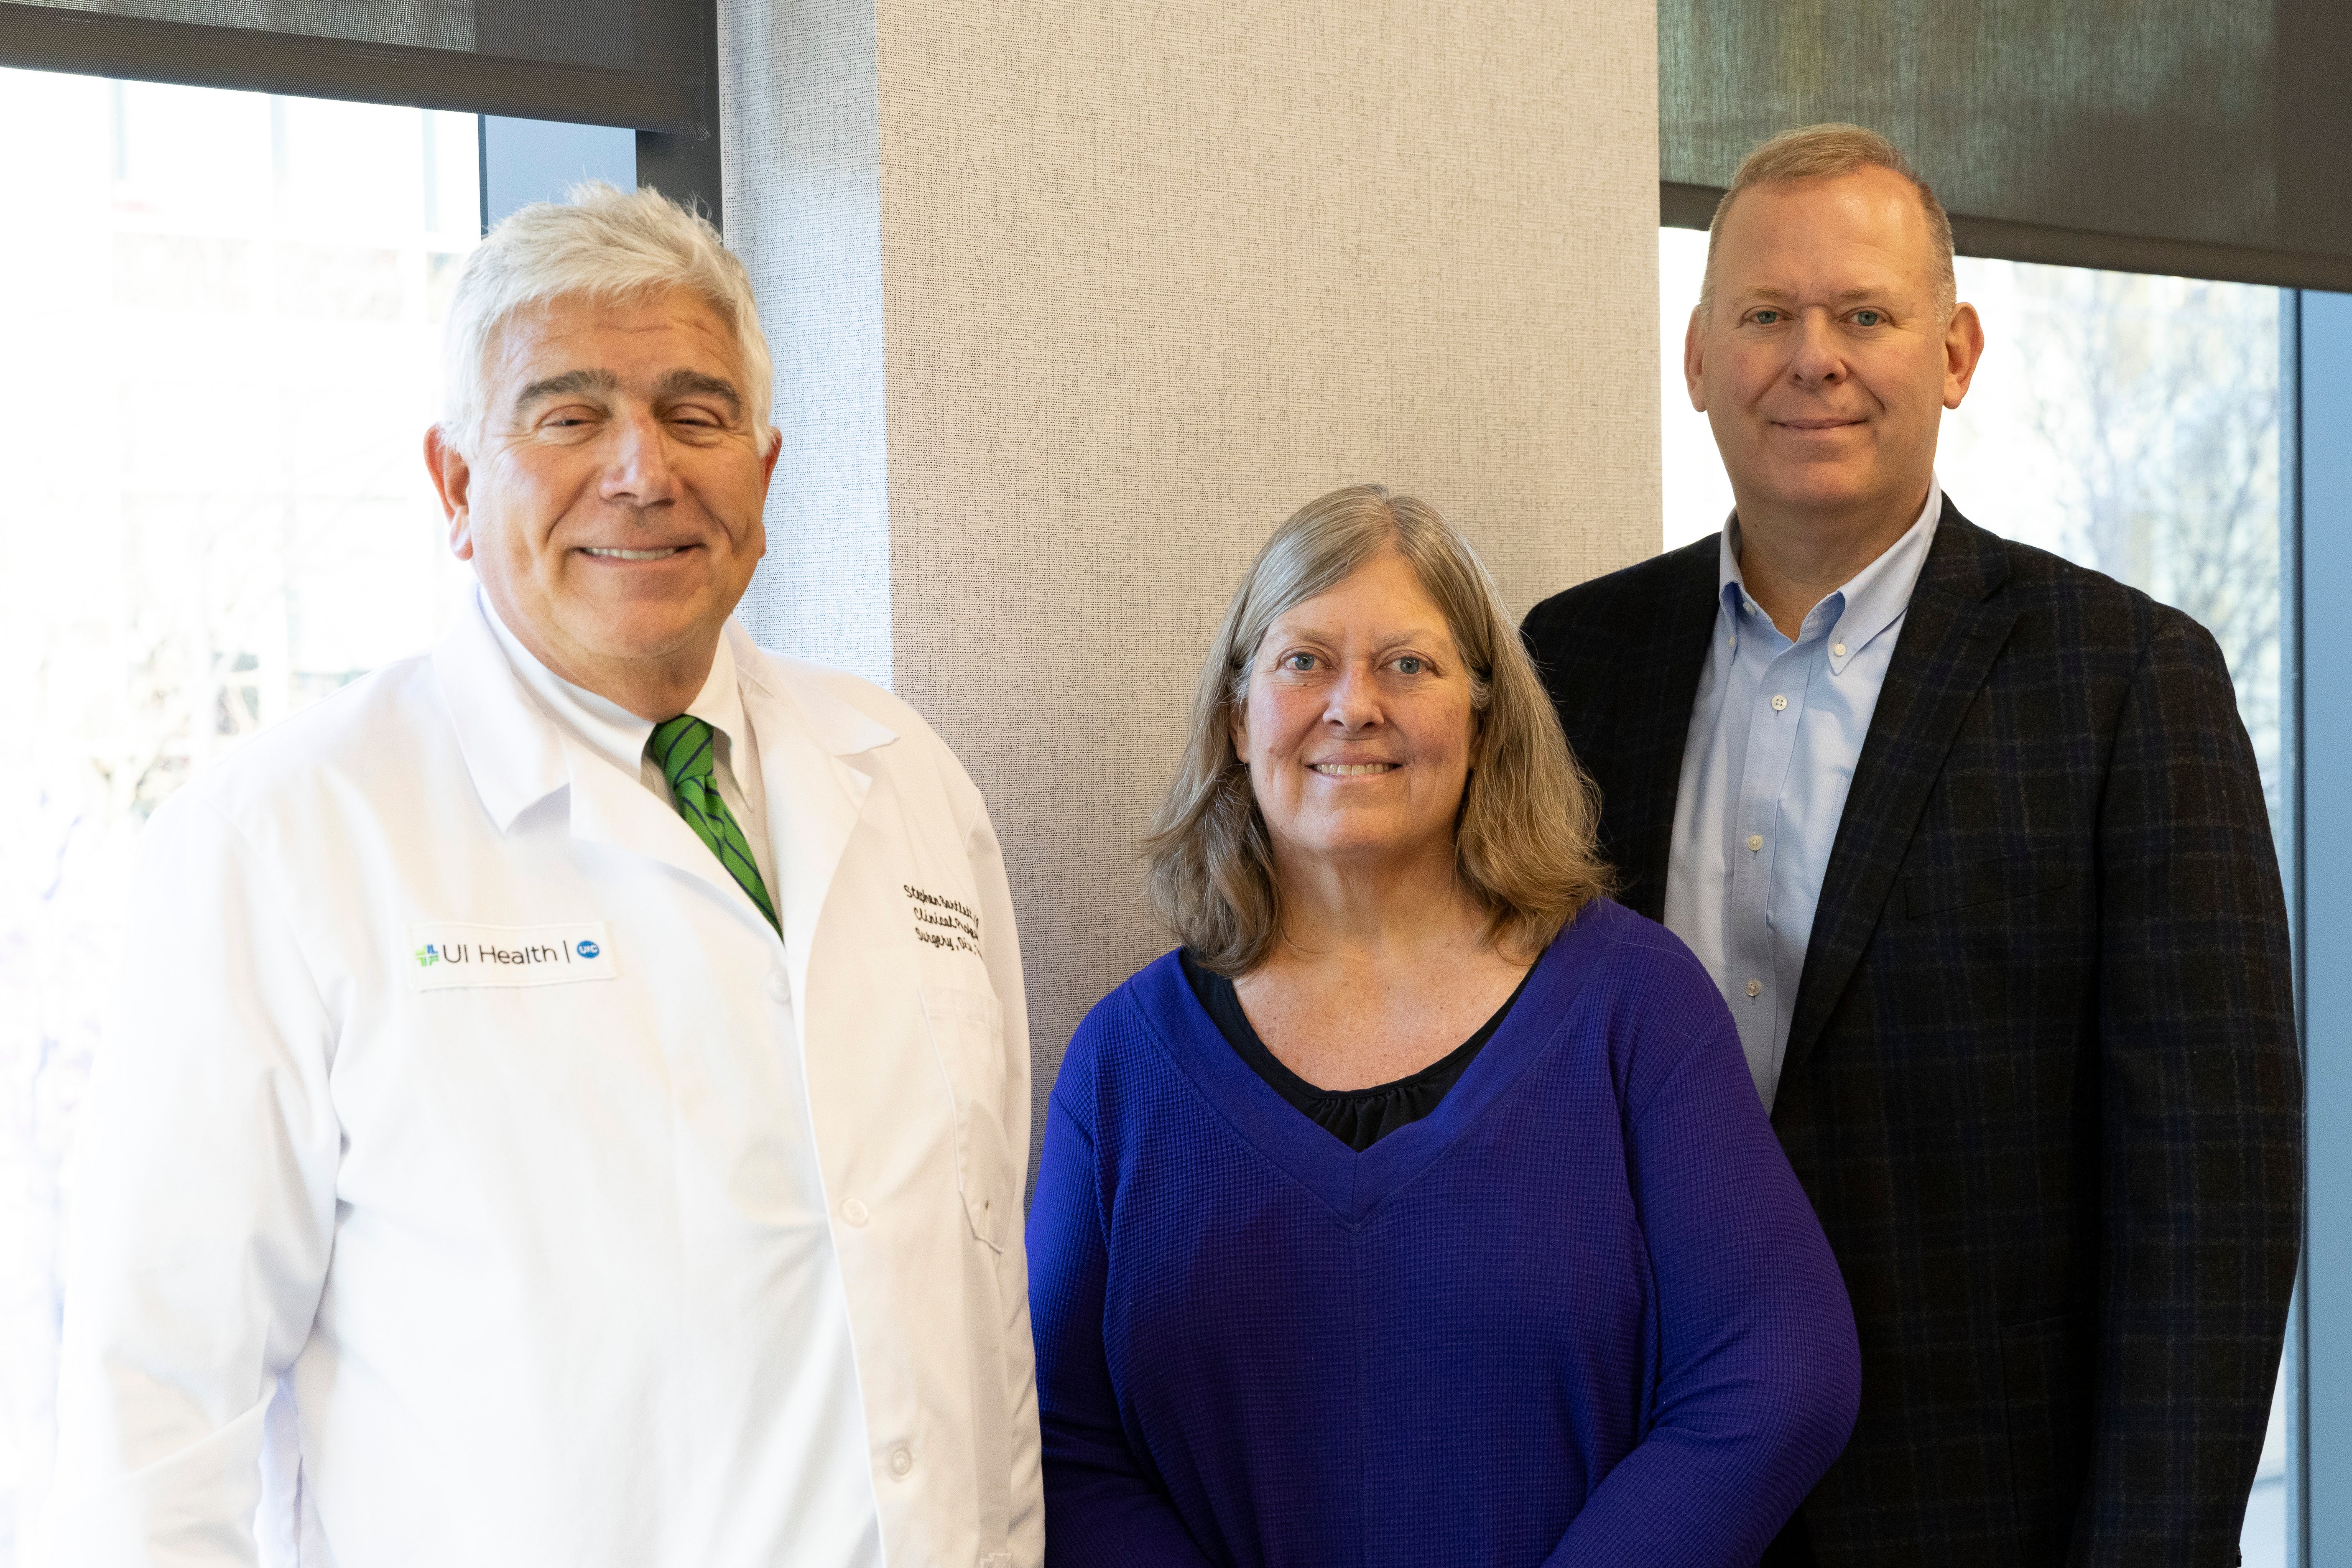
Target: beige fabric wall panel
1155, 274
1148, 276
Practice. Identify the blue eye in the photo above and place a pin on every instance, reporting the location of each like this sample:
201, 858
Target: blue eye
1766, 318
1299, 661
1411, 665
1869, 317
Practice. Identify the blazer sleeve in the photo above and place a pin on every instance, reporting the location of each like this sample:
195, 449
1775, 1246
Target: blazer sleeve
1759, 1373
204, 1215
2201, 1147
1104, 1502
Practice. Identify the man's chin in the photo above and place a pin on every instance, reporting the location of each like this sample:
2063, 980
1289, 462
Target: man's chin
647, 639
1827, 488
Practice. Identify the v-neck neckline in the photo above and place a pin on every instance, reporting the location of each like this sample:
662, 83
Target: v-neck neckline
1354, 1185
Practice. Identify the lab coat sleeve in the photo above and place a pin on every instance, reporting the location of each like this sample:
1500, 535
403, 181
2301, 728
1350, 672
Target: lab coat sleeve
1001, 950
204, 1204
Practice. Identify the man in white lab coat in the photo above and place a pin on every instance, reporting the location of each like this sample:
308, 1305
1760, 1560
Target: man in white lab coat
571, 1096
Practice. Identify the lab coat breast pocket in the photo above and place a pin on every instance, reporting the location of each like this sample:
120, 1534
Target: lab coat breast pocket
968, 1034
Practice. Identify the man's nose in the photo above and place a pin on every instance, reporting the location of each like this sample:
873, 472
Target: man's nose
639, 470
1816, 358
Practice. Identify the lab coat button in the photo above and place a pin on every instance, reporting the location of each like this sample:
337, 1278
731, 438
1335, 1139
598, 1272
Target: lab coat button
778, 986
902, 1461
855, 1213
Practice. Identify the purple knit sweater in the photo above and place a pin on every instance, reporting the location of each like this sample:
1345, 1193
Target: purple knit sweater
1581, 1313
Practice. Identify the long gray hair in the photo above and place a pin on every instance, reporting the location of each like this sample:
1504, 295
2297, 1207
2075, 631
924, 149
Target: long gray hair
1525, 839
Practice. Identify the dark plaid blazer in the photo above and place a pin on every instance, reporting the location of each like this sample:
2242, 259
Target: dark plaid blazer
2041, 1081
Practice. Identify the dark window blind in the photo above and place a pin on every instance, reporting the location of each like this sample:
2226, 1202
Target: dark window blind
2207, 138
650, 65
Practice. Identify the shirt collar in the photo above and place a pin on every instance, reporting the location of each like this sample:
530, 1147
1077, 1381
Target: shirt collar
1871, 600
603, 725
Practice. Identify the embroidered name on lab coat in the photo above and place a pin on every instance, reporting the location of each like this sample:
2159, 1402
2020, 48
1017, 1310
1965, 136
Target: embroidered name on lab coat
442, 957
941, 921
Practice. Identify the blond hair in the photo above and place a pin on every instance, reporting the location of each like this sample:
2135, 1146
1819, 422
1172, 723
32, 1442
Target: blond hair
1526, 840
1825, 151
608, 245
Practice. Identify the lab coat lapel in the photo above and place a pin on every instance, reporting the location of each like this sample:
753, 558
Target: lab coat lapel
1951, 636
608, 808
816, 767
517, 756
513, 751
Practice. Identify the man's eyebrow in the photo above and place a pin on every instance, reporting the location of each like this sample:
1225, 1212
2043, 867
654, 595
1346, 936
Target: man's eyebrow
1765, 293
689, 382
570, 383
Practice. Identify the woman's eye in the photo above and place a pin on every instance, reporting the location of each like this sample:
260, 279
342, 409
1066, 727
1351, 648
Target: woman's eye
1409, 665
1299, 661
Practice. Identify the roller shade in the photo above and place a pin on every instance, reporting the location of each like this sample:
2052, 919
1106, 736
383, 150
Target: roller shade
650, 65
2210, 138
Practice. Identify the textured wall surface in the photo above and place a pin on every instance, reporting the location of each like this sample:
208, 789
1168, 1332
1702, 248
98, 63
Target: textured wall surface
1152, 275
802, 154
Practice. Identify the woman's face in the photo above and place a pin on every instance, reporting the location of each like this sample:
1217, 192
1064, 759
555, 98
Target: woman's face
1356, 726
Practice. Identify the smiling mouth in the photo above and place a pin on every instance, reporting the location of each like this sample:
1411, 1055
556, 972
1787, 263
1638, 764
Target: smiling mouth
664, 554
1352, 770
1817, 424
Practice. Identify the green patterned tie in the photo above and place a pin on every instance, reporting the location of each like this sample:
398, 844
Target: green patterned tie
684, 747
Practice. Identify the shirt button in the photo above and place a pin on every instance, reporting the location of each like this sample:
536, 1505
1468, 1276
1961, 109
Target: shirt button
1755, 842
855, 1213
1779, 702
902, 1461
1838, 648
1755, 987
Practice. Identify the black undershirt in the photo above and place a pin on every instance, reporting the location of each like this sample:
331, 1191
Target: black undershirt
1358, 1118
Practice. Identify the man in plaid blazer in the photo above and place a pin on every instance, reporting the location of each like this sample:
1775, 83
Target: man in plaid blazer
1994, 903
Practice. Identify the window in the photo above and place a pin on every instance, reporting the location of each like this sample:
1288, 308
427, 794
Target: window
2127, 422
217, 514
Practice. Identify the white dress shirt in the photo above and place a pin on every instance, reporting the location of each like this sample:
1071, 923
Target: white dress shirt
1777, 726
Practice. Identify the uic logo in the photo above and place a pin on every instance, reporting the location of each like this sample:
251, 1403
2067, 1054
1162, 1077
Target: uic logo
428, 956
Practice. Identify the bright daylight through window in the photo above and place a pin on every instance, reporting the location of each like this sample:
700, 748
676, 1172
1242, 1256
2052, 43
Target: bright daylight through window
227, 340
2129, 423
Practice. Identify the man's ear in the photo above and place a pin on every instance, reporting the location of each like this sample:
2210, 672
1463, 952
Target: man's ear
1963, 346
453, 480
1695, 363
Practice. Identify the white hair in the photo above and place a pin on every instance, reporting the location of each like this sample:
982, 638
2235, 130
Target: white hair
606, 244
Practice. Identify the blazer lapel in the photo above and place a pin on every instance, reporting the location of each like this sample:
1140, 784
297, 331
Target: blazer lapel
1651, 723
1950, 638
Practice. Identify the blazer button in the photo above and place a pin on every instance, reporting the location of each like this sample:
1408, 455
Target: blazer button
902, 1461
854, 1213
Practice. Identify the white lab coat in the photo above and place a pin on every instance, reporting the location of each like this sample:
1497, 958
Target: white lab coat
485, 1260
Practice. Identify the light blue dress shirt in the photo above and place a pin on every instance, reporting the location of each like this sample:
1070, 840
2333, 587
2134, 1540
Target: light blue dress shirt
1776, 728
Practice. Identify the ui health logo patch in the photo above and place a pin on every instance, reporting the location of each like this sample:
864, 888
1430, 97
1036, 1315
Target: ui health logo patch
443, 957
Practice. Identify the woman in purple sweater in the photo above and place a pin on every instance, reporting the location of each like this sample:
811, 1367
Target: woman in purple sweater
1421, 1209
